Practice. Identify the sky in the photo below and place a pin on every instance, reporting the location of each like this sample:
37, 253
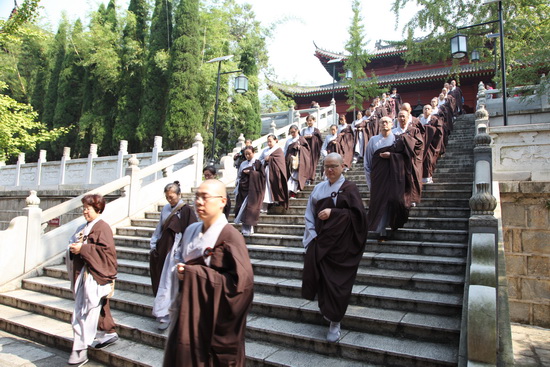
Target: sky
291, 49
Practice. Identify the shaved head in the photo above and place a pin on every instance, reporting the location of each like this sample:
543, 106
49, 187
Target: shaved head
335, 156
213, 187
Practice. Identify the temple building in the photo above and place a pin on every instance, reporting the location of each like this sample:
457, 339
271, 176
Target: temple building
417, 83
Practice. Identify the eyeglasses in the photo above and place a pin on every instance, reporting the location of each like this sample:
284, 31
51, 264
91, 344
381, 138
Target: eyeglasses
204, 198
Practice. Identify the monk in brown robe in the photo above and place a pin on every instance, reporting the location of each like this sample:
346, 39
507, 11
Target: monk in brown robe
92, 267
315, 142
385, 161
216, 289
334, 238
345, 142
174, 218
298, 161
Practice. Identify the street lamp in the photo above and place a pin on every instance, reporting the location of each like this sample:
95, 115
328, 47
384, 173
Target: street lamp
241, 86
333, 62
474, 56
459, 49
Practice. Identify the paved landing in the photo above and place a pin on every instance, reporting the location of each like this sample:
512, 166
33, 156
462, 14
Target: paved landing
531, 349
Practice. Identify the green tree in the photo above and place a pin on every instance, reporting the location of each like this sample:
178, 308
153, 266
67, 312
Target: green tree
69, 92
20, 130
101, 59
133, 45
156, 84
526, 34
360, 87
57, 56
185, 114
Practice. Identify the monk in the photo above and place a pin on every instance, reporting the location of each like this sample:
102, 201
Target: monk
216, 288
386, 178
334, 239
315, 142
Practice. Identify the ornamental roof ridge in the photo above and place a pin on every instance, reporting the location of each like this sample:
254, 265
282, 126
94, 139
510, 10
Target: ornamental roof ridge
379, 51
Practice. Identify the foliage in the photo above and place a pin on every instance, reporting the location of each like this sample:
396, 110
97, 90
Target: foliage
156, 79
20, 130
360, 88
526, 34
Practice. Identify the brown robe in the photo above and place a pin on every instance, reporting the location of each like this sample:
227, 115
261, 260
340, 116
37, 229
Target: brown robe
388, 183
209, 327
332, 258
315, 142
278, 177
362, 130
166, 241
345, 143
414, 143
300, 147
99, 254
433, 140
251, 185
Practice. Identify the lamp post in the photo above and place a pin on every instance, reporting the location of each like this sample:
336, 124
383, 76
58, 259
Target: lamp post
241, 86
459, 49
333, 62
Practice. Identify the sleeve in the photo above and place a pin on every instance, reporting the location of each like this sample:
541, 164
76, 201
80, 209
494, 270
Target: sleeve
309, 231
368, 162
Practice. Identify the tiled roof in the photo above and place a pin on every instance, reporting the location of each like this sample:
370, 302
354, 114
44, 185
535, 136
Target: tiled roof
378, 52
412, 77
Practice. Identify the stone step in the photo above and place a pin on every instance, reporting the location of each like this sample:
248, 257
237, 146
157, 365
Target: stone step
418, 248
58, 334
387, 264
361, 318
402, 234
376, 349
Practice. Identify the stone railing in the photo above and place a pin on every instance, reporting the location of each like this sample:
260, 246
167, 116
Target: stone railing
69, 173
25, 246
521, 150
485, 332
325, 116
519, 101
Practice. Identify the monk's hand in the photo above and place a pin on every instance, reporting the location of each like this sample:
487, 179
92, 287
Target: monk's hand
75, 247
180, 268
385, 155
324, 214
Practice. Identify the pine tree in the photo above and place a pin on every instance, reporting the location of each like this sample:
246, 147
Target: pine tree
155, 93
133, 44
185, 114
360, 88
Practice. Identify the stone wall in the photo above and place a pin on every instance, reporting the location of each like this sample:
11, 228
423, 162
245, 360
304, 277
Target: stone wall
526, 228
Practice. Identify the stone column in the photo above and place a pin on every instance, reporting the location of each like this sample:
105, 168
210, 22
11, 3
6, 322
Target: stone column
41, 160
273, 128
34, 230
90, 164
122, 151
63, 165
20, 162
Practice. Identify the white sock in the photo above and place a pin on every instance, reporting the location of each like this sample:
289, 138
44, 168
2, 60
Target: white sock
334, 327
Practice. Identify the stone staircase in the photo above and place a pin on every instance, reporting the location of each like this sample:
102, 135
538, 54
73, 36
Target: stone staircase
405, 309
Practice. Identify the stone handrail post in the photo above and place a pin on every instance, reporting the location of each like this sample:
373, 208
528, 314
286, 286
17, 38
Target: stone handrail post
33, 232
135, 184
290, 115
334, 117
20, 162
90, 165
157, 148
481, 95
272, 128
198, 159
41, 160
63, 165
122, 151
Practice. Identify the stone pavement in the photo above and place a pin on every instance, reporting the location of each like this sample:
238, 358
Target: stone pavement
531, 345
531, 349
20, 352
